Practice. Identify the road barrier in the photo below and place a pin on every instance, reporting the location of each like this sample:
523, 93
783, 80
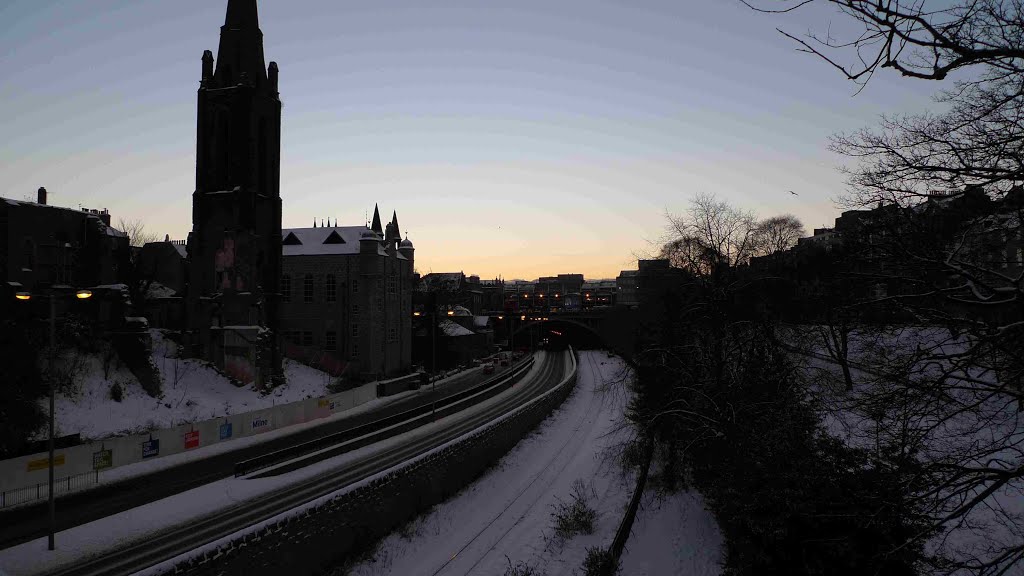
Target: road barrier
41, 491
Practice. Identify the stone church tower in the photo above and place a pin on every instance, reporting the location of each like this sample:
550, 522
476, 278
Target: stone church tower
234, 248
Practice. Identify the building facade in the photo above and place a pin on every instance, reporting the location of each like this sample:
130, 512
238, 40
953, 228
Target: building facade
346, 299
234, 248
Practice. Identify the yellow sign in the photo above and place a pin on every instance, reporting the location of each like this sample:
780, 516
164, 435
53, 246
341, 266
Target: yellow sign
44, 463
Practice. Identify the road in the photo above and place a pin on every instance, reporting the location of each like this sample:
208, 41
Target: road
27, 523
150, 545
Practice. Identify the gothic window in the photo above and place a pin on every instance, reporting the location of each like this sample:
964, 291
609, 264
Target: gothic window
355, 286
392, 334
355, 310
286, 288
355, 330
392, 283
307, 289
330, 341
355, 350
307, 338
331, 287
263, 158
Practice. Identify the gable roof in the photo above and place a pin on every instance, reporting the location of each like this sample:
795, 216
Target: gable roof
326, 240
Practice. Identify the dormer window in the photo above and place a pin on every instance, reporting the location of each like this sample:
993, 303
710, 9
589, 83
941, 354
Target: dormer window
334, 238
291, 240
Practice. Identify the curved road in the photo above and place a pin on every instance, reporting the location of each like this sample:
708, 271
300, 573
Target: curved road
177, 540
30, 522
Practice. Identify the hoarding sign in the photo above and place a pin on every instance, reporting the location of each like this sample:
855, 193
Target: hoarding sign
44, 463
102, 459
225, 431
191, 439
150, 448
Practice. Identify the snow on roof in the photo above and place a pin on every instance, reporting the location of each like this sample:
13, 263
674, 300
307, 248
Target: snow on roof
450, 328
446, 281
311, 241
182, 250
461, 311
481, 321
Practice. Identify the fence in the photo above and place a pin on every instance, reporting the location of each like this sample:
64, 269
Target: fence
41, 490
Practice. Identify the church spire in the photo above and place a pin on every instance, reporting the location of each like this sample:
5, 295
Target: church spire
240, 56
376, 227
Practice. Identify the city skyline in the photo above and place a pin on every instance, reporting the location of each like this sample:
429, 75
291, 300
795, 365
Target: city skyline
513, 142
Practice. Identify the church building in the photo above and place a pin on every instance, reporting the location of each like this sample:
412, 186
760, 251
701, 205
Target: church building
234, 249
346, 298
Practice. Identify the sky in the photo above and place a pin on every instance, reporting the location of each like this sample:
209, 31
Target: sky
517, 140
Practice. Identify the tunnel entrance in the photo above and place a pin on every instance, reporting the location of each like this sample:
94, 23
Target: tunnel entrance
557, 335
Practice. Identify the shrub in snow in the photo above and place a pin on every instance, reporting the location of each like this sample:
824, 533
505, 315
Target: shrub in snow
600, 562
520, 568
575, 516
116, 392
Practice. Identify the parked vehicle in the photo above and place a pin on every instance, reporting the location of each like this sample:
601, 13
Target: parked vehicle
489, 368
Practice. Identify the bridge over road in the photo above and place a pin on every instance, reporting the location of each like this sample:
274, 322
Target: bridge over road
613, 327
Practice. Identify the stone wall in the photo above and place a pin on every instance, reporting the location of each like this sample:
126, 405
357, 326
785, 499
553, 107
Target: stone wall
323, 537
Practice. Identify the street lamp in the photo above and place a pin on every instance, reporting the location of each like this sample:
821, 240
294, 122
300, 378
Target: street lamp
25, 296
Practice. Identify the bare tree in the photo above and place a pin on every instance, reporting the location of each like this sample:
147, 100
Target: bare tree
777, 234
136, 230
918, 39
710, 235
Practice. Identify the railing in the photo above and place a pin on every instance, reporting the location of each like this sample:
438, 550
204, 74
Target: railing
41, 491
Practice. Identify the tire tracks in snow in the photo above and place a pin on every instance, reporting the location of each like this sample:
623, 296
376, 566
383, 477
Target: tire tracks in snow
584, 425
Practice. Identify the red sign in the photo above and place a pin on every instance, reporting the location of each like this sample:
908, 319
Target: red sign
192, 439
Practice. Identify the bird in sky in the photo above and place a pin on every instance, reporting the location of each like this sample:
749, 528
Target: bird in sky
793, 193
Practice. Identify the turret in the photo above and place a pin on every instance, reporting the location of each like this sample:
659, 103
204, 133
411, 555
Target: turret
405, 248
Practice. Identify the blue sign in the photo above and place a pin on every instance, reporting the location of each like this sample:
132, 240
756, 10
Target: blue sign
225, 431
150, 448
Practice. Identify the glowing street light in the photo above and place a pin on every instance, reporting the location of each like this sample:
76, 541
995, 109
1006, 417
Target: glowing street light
83, 294
23, 296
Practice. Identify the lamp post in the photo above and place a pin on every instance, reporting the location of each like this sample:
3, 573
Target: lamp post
81, 295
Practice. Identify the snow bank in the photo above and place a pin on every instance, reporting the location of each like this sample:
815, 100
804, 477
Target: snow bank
673, 535
507, 515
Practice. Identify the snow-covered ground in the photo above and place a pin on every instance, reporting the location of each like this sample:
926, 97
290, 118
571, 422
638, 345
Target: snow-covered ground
976, 426
506, 516
80, 542
192, 391
673, 535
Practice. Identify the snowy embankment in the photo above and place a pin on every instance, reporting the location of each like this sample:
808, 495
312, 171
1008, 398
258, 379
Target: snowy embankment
192, 391
673, 535
150, 520
506, 519
928, 385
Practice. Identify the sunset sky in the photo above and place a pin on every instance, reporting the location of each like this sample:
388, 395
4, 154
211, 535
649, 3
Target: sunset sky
522, 139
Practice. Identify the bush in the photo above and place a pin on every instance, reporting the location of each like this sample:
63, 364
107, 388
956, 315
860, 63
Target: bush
576, 516
520, 568
116, 392
600, 562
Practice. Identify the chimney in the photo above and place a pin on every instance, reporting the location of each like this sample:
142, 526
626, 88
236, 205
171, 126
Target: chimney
41, 198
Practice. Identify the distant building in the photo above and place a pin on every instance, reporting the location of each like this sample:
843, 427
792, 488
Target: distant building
626, 285
452, 289
346, 299
43, 245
